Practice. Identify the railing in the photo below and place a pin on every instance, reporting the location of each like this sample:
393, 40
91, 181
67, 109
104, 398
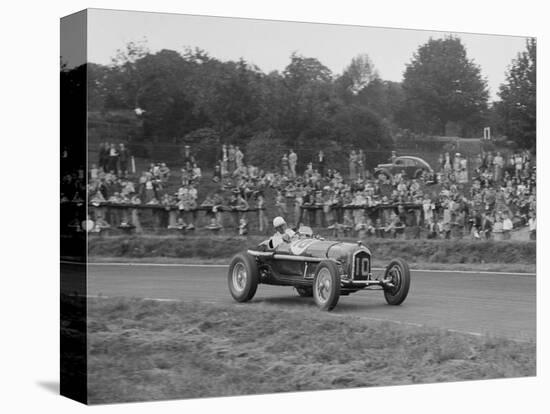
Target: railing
139, 218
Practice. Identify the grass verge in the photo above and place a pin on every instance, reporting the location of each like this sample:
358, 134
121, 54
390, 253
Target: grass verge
146, 350
511, 256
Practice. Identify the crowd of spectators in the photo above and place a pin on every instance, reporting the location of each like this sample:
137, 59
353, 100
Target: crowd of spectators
487, 196
489, 199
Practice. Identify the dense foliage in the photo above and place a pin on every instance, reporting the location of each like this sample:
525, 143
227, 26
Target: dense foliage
191, 97
443, 86
518, 105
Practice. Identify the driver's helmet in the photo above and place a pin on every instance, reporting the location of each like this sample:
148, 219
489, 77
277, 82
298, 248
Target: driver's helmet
278, 221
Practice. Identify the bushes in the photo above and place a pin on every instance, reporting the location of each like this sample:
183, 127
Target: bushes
425, 251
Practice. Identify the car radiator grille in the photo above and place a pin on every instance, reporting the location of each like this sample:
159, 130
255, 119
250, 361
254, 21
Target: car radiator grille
361, 266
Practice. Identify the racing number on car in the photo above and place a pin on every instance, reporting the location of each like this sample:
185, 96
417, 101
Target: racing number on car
362, 266
299, 246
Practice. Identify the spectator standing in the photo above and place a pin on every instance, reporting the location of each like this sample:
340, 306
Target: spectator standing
280, 203
456, 163
448, 165
224, 167
262, 216
441, 162
321, 163
498, 227
507, 226
498, 163
239, 156
518, 161
123, 157
217, 177
103, 156
231, 159
164, 172
188, 159
113, 159
361, 164
285, 165
353, 165
196, 174
292, 162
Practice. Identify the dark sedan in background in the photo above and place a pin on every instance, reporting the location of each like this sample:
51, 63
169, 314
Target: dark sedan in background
413, 167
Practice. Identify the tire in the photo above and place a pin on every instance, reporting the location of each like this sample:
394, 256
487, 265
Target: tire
243, 277
398, 270
326, 286
305, 292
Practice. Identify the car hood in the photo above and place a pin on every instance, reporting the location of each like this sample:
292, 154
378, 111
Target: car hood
322, 249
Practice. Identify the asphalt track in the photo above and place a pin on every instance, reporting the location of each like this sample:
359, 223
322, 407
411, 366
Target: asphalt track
502, 305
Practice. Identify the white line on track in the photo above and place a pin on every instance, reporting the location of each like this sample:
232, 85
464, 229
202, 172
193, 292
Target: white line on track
485, 272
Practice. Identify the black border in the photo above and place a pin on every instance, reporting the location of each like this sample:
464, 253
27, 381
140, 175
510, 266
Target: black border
73, 282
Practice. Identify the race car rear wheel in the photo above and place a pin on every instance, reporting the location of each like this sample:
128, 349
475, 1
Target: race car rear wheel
305, 292
326, 286
400, 275
243, 277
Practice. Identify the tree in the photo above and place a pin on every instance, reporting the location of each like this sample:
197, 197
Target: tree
308, 98
518, 106
358, 74
383, 97
442, 85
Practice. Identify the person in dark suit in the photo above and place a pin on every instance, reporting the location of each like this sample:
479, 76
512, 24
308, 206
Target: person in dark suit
123, 157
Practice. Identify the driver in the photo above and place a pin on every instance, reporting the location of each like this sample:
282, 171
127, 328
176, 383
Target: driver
282, 233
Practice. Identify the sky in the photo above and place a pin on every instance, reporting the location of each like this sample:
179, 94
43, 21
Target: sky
269, 44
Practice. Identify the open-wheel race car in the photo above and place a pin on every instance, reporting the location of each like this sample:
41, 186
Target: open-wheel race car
315, 267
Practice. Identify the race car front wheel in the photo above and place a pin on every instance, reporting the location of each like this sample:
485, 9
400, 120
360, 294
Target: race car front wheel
243, 277
326, 285
400, 278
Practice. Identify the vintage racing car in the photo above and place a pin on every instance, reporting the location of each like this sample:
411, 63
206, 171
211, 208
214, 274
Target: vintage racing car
320, 268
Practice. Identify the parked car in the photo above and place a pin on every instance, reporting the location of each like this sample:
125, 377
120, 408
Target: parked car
322, 269
413, 167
